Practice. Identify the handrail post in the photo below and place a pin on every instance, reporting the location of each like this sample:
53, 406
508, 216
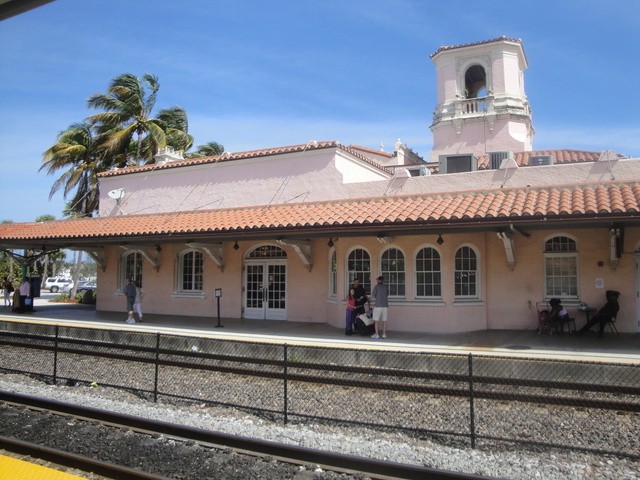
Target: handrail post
157, 367
285, 403
472, 420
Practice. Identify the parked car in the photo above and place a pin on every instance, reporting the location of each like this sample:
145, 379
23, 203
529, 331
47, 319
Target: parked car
83, 286
54, 284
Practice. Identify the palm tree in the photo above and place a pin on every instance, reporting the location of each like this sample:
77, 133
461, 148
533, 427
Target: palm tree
128, 106
78, 154
207, 150
176, 127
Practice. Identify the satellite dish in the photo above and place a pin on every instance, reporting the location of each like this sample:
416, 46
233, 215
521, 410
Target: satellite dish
116, 194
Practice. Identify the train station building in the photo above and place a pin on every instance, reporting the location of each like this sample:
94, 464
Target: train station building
468, 239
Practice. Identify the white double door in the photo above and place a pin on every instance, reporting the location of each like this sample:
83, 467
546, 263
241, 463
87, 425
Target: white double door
265, 290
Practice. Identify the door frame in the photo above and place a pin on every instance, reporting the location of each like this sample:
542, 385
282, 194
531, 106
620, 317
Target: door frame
264, 313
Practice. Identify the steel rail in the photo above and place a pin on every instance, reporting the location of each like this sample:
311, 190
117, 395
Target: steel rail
289, 453
71, 460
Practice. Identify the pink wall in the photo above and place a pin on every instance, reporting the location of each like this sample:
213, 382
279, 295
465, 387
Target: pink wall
512, 293
272, 179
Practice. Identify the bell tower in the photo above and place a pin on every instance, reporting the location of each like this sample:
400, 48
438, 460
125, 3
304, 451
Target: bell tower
482, 106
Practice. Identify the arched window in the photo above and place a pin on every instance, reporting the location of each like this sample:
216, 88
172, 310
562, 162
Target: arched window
267, 251
475, 79
191, 271
428, 273
560, 268
359, 266
131, 267
392, 269
333, 275
466, 273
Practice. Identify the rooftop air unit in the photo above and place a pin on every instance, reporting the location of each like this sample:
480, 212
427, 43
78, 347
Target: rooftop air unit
496, 159
538, 160
458, 163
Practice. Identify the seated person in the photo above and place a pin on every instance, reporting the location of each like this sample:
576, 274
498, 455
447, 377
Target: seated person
605, 314
558, 315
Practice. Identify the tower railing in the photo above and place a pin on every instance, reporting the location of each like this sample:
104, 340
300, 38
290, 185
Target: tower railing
474, 106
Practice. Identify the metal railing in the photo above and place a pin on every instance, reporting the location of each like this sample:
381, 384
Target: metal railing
465, 396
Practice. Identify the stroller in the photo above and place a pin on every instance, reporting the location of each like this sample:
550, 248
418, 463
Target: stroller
363, 324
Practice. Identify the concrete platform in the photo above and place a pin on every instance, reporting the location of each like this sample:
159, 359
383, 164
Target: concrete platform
623, 347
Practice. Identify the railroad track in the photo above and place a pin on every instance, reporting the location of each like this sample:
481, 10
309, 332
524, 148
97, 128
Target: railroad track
285, 453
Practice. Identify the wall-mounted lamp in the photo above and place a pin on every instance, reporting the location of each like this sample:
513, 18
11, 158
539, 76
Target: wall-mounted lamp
440, 240
236, 246
158, 249
330, 243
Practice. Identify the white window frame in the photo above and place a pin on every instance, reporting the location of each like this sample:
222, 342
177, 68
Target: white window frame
137, 275
180, 273
390, 274
364, 275
333, 274
418, 271
567, 252
476, 272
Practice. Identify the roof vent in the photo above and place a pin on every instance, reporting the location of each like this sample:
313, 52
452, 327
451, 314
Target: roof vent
496, 158
539, 160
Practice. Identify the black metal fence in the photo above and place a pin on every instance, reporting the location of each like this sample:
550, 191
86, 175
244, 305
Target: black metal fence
580, 405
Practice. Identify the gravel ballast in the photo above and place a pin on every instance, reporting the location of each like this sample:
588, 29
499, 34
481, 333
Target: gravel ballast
499, 460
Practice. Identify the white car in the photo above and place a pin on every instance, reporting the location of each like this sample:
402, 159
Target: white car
54, 284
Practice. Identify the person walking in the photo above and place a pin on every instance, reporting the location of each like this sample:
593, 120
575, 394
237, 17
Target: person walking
7, 289
380, 294
130, 294
137, 303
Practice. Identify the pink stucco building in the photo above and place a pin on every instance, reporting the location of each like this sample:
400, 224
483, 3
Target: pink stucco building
469, 240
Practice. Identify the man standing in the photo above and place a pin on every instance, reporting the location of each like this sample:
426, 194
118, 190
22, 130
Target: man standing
381, 306
361, 297
130, 293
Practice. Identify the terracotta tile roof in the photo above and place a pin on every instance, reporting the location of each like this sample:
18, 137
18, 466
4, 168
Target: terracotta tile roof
366, 150
559, 156
227, 157
522, 158
611, 199
497, 39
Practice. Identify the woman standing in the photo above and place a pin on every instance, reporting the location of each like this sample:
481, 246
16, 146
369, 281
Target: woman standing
137, 303
25, 292
351, 310
7, 288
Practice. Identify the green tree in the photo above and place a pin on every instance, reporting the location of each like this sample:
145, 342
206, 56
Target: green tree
8, 266
77, 153
128, 105
176, 127
207, 150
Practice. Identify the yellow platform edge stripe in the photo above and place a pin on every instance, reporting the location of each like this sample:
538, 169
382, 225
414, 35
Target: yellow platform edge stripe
14, 469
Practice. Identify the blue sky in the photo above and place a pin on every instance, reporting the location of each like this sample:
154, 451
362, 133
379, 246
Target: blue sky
257, 74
